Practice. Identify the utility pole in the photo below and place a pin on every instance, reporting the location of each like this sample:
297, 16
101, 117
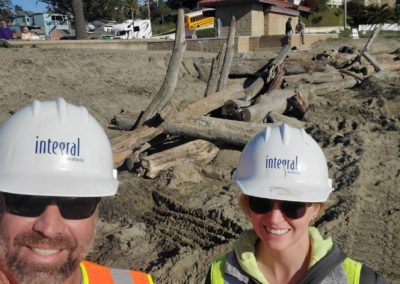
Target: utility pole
345, 14
148, 9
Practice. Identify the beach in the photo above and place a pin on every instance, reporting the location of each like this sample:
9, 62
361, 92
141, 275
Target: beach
174, 225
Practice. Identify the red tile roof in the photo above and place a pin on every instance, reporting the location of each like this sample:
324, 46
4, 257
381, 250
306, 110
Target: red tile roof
279, 3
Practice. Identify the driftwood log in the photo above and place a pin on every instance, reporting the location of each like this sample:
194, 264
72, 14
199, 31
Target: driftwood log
270, 77
213, 129
124, 145
230, 50
198, 152
214, 101
215, 71
292, 67
372, 60
313, 78
276, 100
165, 92
232, 108
124, 121
312, 90
371, 39
213, 77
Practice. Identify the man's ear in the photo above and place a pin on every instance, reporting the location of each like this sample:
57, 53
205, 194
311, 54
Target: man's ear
2, 205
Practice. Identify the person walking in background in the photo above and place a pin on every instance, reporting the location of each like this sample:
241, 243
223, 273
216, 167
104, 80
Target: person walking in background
289, 30
55, 166
5, 32
283, 176
300, 30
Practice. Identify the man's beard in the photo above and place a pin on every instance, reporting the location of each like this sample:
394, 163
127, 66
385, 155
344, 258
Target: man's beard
27, 272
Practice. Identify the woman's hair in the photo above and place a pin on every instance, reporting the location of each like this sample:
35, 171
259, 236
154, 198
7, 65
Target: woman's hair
244, 206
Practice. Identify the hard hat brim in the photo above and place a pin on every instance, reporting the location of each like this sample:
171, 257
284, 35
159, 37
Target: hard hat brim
307, 193
58, 186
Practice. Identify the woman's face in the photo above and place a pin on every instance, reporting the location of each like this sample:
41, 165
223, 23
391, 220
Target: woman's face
284, 224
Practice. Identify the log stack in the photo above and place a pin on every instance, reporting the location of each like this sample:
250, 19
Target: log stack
282, 90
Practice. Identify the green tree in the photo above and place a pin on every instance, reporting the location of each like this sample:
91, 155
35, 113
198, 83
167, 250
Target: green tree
18, 9
380, 14
92, 9
357, 13
6, 9
132, 7
317, 5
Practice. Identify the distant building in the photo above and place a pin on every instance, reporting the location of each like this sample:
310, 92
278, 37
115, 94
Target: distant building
52, 26
255, 17
391, 3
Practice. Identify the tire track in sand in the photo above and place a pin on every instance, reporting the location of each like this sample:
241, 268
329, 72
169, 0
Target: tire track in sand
374, 225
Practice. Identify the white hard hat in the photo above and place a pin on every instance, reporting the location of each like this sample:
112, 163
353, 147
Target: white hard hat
284, 163
54, 148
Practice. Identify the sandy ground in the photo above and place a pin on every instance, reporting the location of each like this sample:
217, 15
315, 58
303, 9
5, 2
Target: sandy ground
174, 225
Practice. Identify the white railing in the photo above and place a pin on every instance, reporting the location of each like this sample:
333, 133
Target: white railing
385, 27
323, 30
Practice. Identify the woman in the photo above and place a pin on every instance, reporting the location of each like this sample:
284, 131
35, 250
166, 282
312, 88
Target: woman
26, 34
283, 176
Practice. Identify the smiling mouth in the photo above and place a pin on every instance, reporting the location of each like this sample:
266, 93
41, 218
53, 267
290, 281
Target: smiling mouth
45, 252
276, 231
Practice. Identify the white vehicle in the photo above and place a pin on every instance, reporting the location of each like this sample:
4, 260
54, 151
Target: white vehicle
133, 29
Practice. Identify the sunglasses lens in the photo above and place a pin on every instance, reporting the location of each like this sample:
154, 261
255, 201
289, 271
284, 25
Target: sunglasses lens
260, 205
293, 210
33, 206
25, 205
77, 208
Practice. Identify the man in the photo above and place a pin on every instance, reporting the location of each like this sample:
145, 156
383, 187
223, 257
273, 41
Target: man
300, 30
55, 165
5, 31
289, 30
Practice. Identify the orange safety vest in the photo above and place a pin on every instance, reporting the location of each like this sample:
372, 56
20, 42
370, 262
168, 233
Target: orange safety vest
96, 274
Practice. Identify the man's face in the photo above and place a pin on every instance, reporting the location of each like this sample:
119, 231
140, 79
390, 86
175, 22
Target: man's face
43, 249
3, 24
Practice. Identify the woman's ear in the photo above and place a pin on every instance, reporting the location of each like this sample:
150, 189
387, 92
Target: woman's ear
317, 210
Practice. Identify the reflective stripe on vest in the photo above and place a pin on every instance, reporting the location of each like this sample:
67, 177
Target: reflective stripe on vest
226, 270
93, 274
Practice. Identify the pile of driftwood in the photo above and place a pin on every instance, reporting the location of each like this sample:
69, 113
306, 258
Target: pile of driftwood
281, 91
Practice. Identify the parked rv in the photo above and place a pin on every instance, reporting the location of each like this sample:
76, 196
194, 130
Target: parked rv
131, 29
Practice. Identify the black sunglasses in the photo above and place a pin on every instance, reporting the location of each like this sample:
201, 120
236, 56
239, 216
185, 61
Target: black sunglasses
292, 209
73, 208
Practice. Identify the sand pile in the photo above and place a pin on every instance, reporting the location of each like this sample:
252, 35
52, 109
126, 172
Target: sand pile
174, 225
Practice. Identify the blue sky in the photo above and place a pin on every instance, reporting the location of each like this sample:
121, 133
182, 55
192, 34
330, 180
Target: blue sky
30, 5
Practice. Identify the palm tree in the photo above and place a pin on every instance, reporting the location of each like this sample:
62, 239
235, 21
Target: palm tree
133, 7
80, 24
379, 14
